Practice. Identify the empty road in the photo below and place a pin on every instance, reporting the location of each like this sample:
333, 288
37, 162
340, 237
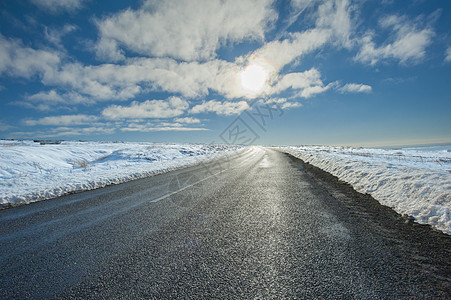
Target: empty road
259, 224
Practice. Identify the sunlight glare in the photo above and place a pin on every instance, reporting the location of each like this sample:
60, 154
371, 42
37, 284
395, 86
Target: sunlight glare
254, 78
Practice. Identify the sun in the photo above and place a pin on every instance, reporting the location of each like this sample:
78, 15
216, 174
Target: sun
254, 78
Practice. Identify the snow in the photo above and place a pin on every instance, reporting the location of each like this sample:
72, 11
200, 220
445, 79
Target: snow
32, 172
413, 181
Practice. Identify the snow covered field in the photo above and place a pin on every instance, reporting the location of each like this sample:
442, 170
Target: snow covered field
31, 172
413, 181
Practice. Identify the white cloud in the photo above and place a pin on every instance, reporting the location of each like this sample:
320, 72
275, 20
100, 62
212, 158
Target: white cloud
221, 108
43, 101
4, 126
169, 108
121, 82
280, 53
448, 54
54, 35
149, 127
313, 90
408, 45
56, 6
52, 100
288, 105
333, 24
50, 96
108, 49
187, 30
74, 131
187, 120
300, 4
301, 80
355, 88
305, 84
336, 15
281, 103
64, 120
19, 61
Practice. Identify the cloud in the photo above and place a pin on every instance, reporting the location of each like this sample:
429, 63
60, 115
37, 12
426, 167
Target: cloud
305, 84
300, 4
187, 120
313, 90
409, 42
19, 61
448, 54
355, 88
50, 96
281, 103
149, 127
5, 127
280, 53
187, 30
57, 6
221, 108
122, 82
54, 35
288, 105
301, 80
64, 120
74, 131
333, 24
169, 108
336, 15
53, 100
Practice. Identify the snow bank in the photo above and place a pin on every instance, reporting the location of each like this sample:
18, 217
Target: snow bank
413, 181
31, 172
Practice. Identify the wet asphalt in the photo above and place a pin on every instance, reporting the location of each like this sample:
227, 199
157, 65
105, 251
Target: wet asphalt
259, 224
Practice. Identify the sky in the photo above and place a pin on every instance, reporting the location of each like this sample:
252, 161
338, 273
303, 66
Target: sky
333, 72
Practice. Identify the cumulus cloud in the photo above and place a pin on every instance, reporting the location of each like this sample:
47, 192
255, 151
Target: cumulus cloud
4, 126
19, 61
54, 35
281, 103
64, 120
336, 15
74, 131
316, 89
355, 88
221, 108
172, 107
448, 54
280, 53
50, 96
333, 24
56, 6
43, 101
187, 120
149, 127
301, 80
187, 30
409, 42
305, 84
122, 82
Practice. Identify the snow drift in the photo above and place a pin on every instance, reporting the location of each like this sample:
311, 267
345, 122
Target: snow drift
31, 172
413, 181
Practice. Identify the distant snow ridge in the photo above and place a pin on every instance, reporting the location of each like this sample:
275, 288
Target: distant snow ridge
413, 181
31, 172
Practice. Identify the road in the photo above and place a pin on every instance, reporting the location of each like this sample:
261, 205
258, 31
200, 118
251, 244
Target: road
259, 224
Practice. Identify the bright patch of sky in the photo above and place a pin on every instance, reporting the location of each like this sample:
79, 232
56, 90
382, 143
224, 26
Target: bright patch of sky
283, 72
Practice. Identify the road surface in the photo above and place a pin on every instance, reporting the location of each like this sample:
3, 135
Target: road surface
260, 224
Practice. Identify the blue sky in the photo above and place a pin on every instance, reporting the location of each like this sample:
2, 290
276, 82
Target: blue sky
335, 72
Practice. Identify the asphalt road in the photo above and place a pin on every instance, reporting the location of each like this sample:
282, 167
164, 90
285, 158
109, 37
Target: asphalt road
260, 224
